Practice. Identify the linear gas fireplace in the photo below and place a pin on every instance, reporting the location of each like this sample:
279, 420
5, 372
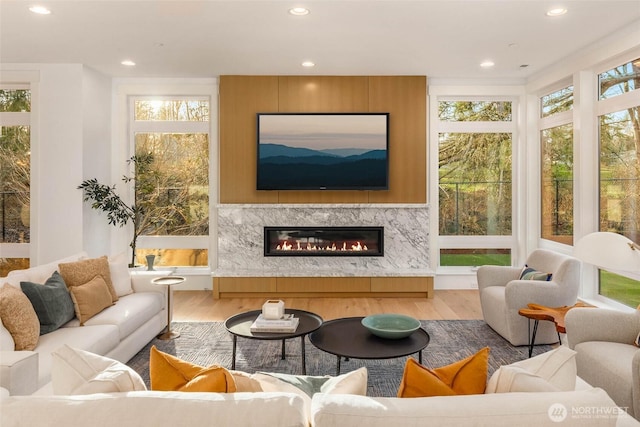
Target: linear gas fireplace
323, 241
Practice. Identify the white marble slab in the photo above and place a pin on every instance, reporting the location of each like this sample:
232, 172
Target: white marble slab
241, 232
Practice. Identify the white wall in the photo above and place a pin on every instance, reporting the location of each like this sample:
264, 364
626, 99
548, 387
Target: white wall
56, 161
96, 156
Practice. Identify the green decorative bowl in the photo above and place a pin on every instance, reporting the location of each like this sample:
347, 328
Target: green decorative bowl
391, 326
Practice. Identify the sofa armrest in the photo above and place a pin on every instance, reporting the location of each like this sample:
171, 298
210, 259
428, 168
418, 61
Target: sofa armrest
495, 275
141, 282
599, 324
519, 293
19, 372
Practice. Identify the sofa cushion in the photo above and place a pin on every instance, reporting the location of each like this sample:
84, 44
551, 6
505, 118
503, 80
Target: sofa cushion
553, 370
51, 301
80, 272
157, 409
495, 410
129, 314
467, 376
19, 317
90, 298
96, 339
170, 373
120, 277
76, 371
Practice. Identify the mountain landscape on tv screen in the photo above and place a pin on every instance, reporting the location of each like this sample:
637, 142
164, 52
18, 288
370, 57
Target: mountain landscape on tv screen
282, 167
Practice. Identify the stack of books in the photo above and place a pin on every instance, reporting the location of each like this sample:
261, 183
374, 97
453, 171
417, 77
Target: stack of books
286, 324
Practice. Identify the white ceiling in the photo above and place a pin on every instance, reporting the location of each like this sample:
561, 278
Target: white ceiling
437, 38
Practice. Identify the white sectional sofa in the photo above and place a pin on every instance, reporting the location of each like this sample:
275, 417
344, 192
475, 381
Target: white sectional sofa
582, 408
118, 332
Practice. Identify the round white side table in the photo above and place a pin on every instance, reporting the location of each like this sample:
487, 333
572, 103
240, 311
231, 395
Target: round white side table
168, 281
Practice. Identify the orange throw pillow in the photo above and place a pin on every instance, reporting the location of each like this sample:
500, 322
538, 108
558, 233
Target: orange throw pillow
467, 376
169, 373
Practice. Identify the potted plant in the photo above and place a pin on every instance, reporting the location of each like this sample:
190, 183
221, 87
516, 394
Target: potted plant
118, 212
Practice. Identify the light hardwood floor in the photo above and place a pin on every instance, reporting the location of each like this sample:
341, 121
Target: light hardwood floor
199, 306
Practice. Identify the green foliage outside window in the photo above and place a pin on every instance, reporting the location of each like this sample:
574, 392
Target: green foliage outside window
620, 174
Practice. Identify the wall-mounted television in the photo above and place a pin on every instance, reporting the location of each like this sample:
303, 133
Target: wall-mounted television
323, 151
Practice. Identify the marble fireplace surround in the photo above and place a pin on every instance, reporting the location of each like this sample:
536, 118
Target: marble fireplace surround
240, 251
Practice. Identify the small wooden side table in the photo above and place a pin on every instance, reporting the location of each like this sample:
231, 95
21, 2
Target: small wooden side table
168, 281
537, 312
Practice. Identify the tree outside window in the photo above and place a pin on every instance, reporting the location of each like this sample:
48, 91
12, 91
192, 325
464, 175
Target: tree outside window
15, 175
475, 183
620, 173
175, 184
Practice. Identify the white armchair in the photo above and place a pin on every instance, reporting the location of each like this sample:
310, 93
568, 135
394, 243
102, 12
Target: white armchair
502, 294
605, 354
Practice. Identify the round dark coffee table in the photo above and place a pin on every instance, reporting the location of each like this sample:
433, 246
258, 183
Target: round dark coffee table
349, 339
240, 326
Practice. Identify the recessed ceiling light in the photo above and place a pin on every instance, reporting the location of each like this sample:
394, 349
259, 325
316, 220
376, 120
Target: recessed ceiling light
128, 63
40, 10
556, 11
487, 64
299, 11
308, 64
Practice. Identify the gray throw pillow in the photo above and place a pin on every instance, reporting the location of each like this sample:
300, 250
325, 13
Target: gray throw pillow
51, 301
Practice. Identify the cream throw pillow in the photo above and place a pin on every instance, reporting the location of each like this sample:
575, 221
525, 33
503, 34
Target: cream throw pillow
76, 371
19, 317
120, 278
305, 386
554, 370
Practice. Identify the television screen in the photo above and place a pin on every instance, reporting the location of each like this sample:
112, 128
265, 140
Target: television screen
323, 151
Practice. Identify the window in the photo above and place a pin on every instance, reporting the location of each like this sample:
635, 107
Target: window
171, 139
619, 80
556, 143
619, 169
475, 182
15, 176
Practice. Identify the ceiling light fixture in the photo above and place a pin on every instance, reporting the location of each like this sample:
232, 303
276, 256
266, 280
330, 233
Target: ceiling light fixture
40, 10
128, 63
308, 64
299, 11
487, 64
558, 11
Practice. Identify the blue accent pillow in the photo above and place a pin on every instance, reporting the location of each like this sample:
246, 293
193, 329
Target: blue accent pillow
51, 301
529, 273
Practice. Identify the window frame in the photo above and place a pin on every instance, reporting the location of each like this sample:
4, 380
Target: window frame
603, 107
21, 250
446, 93
125, 127
549, 122
166, 126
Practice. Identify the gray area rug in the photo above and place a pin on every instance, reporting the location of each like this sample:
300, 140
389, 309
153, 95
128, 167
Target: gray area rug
208, 343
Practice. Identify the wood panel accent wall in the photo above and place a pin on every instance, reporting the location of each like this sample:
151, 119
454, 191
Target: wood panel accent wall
404, 97
281, 287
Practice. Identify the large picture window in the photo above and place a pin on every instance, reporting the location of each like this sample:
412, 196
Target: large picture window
171, 137
619, 168
15, 177
475, 182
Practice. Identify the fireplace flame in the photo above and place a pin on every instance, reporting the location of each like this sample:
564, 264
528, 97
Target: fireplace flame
297, 246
